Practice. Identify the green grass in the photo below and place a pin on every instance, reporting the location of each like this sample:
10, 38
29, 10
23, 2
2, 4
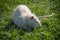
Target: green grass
50, 29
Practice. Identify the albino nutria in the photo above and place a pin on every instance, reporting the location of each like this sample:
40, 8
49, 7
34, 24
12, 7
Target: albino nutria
24, 18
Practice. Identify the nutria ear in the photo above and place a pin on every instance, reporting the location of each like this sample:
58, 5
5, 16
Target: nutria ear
32, 17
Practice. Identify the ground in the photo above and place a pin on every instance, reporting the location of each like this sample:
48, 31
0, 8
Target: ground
50, 29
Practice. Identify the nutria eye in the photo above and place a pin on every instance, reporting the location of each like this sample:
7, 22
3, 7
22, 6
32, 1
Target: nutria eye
32, 17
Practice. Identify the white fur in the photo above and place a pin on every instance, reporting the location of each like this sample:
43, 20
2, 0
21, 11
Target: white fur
22, 17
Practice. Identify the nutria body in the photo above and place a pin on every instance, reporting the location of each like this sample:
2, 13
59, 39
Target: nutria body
24, 18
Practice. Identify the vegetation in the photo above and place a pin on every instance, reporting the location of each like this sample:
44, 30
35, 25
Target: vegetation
50, 29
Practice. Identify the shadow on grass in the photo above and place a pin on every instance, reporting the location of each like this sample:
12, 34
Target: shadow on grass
10, 26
